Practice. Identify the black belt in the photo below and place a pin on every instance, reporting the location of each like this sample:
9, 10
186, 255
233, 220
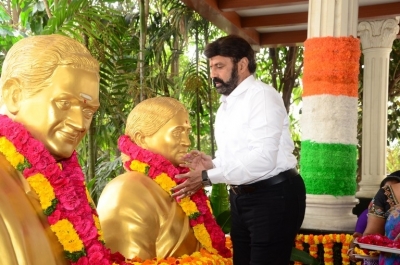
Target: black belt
249, 188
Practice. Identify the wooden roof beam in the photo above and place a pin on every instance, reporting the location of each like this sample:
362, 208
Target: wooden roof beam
275, 20
288, 38
382, 10
226, 21
234, 5
365, 12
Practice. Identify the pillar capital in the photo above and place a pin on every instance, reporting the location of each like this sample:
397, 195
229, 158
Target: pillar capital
378, 33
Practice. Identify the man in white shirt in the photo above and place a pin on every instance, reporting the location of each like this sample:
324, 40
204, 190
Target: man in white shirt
254, 157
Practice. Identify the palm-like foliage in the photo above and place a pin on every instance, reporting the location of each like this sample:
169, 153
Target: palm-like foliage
8, 33
105, 32
394, 92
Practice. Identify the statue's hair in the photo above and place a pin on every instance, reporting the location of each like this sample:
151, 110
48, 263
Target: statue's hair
151, 114
33, 60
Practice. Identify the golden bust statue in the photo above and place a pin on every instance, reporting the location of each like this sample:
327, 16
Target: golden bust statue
49, 92
137, 215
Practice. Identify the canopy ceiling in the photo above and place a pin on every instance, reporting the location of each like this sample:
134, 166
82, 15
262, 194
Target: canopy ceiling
266, 23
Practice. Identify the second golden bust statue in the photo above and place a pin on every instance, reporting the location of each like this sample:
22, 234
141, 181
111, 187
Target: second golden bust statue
137, 215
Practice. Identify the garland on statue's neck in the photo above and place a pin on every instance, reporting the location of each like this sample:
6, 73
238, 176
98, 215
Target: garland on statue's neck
196, 207
62, 194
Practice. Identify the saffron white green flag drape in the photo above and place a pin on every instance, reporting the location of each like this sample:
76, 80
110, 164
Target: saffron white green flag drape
328, 160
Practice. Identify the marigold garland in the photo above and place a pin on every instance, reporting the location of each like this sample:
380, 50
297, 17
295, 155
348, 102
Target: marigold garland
327, 241
67, 204
196, 207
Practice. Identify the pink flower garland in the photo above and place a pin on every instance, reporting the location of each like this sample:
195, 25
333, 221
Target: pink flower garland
71, 202
158, 164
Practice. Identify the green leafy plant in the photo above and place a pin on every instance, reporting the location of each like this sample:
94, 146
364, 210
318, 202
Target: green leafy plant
219, 200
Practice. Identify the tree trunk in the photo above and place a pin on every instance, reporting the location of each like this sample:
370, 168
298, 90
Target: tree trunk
175, 58
198, 102
144, 12
206, 36
91, 159
289, 77
285, 82
14, 12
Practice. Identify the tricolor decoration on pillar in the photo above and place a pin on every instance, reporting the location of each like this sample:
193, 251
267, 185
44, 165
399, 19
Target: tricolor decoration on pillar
328, 160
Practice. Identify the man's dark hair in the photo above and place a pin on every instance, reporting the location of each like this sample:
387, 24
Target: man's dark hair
234, 47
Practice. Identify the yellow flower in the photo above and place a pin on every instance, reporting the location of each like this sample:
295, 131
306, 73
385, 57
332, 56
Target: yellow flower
209, 206
89, 198
203, 237
67, 236
9, 151
349, 238
300, 237
43, 189
97, 224
165, 182
136, 165
188, 206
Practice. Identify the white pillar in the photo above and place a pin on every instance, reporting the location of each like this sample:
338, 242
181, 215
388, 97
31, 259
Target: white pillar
332, 18
377, 40
327, 18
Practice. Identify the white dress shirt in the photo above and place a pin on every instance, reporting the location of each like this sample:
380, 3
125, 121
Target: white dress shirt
252, 135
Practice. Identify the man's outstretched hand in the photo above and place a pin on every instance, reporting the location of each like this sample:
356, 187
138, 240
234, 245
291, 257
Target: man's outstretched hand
196, 161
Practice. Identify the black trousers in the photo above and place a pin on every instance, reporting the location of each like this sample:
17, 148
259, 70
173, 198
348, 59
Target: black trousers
265, 222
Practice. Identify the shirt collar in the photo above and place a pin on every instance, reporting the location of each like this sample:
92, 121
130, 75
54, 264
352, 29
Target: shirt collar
241, 88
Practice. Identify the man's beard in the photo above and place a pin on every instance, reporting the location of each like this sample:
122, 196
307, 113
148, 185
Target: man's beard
230, 85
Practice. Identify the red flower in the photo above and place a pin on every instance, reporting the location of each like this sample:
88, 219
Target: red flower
378, 240
69, 200
54, 217
14, 131
87, 228
40, 165
82, 261
21, 140
117, 257
52, 169
59, 183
